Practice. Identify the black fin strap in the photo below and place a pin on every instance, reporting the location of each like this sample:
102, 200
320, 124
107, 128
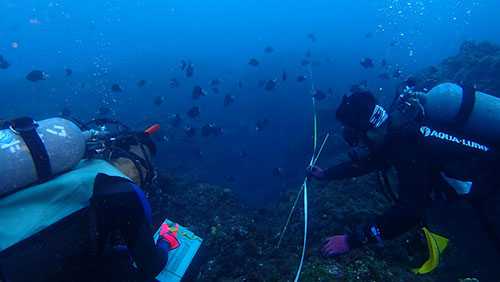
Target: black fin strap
382, 190
36, 147
388, 186
466, 107
487, 224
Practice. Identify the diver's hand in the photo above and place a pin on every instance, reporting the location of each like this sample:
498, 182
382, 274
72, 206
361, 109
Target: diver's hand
316, 172
335, 245
169, 236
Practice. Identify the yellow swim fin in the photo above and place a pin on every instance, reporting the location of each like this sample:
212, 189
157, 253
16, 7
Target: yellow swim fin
436, 245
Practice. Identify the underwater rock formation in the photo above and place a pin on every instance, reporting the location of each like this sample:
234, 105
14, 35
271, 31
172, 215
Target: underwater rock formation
240, 244
475, 64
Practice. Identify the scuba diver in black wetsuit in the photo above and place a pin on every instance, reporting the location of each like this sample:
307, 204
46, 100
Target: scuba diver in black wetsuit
88, 224
430, 161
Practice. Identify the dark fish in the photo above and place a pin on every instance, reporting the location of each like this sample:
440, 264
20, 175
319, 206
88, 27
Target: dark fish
261, 82
397, 74
158, 100
315, 64
206, 130
189, 70
355, 88
240, 84
383, 63
4, 65
367, 63
268, 49
243, 154
214, 82
368, 35
393, 43
216, 130
177, 120
194, 112
312, 37
210, 129
190, 131
433, 69
277, 171
284, 76
301, 78
116, 88
253, 62
65, 113
183, 64
141, 83
198, 92
330, 90
260, 124
228, 99
308, 54
35, 76
383, 75
215, 90
319, 95
102, 111
304, 62
174, 83
270, 84
230, 178
68, 71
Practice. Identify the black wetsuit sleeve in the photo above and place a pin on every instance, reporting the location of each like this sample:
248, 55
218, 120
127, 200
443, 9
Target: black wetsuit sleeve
411, 161
121, 205
348, 169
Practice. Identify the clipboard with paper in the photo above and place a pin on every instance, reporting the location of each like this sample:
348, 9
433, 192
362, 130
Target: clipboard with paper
180, 257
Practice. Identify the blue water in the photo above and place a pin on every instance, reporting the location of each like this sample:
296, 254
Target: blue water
108, 42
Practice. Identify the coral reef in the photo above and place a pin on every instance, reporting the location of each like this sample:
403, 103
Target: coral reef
240, 245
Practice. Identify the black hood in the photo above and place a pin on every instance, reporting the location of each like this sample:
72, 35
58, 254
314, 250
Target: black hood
356, 110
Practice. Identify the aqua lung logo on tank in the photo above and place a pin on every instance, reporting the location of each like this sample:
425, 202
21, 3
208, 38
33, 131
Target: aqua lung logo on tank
5, 137
426, 131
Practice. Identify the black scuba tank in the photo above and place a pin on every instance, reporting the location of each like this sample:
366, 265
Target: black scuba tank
33, 152
464, 109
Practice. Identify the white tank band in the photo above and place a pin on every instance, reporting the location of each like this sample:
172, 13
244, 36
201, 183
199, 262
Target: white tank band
378, 117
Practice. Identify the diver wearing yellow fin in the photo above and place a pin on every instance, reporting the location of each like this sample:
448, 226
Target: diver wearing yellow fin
433, 160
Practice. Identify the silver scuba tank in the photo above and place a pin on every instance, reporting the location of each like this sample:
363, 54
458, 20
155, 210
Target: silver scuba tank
64, 144
479, 114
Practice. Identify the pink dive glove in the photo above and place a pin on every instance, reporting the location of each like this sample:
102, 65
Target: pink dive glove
335, 245
168, 236
316, 172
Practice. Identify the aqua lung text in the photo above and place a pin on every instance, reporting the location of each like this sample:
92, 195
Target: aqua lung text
426, 131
